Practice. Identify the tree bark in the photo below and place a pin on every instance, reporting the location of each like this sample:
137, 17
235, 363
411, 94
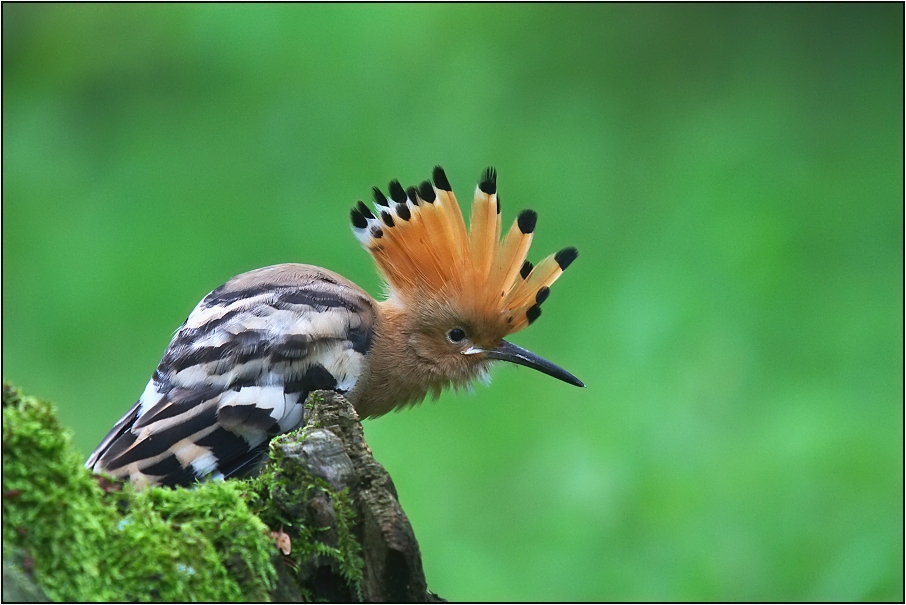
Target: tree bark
332, 447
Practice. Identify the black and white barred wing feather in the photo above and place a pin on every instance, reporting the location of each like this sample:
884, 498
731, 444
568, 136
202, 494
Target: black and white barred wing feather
237, 374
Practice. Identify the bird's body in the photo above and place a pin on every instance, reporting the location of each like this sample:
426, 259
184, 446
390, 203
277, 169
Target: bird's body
239, 369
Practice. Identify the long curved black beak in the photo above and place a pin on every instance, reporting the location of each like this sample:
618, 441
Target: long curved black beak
507, 351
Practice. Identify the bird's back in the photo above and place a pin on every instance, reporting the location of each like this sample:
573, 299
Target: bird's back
237, 373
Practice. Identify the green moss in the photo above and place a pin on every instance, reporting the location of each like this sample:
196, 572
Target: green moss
52, 509
82, 542
84, 538
197, 544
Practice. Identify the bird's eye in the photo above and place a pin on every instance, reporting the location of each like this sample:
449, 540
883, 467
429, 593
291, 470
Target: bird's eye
456, 335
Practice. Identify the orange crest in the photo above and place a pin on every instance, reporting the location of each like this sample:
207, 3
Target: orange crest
419, 241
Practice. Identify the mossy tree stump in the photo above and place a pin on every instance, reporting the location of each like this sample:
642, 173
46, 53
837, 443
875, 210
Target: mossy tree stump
321, 522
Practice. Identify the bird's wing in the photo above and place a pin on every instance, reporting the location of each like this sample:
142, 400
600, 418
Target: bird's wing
237, 373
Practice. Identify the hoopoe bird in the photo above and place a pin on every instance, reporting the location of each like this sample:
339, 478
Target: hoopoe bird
238, 371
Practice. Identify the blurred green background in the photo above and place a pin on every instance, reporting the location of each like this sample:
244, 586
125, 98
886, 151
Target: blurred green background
733, 178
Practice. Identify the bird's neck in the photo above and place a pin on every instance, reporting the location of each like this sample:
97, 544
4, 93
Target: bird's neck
393, 377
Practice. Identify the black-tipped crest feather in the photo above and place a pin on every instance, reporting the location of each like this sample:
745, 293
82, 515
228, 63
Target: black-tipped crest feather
565, 257
542, 295
365, 210
397, 193
527, 221
412, 194
358, 221
379, 198
440, 179
426, 192
488, 182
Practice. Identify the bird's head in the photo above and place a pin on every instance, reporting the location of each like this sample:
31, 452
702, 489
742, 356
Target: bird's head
459, 292
459, 341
